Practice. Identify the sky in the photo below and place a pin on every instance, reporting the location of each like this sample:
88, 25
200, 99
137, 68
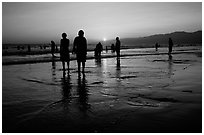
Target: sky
38, 22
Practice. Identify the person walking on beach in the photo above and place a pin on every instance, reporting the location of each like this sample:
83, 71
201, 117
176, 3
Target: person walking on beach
80, 48
64, 51
53, 48
117, 47
170, 45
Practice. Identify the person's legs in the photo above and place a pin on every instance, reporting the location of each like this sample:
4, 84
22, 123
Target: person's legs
118, 54
170, 50
63, 65
68, 66
83, 66
79, 66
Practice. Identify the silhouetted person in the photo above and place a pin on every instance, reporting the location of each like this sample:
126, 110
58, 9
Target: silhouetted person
29, 49
113, 48
41, 47
96, 52
80, 48
117, 47
170, 45
64, 51
53, 48
156, 46
18, 47
106, 49
99, 48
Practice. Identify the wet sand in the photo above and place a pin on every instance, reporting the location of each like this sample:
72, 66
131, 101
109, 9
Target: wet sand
150, 93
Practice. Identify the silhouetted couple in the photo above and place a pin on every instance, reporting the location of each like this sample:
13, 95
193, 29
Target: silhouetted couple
79, 48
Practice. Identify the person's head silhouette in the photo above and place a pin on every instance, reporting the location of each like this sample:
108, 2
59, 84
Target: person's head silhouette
64, 35
81, 33
117, 38
52, 42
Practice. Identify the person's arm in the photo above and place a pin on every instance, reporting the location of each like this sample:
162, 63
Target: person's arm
60, 46
119, 44
74, 47
68, 44
86, 45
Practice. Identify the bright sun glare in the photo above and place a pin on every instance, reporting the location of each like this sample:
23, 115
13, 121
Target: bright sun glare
104, 39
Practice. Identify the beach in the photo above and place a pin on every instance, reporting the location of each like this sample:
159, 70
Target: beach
147, 91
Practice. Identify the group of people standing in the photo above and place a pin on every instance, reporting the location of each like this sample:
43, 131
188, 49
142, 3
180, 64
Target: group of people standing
99, 48
170, 46
79, 48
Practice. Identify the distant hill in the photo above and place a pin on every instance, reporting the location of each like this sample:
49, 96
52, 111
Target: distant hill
179, 38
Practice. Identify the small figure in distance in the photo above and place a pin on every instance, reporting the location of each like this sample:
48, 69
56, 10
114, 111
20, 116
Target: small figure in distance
113, 48
99, 48
29, 48
117, 47
170, 45
80, 48
53, 48
64, 51
18, 47
156, 46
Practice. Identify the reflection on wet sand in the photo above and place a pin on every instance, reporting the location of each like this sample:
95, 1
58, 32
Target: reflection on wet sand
53, 70
118, 70
98, 62
129, 96
170, 66
82, 91
98, 65
66, 91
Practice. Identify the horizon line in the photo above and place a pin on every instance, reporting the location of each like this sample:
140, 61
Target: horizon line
95, 40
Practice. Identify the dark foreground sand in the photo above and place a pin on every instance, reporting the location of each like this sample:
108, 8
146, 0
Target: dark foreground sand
152, 93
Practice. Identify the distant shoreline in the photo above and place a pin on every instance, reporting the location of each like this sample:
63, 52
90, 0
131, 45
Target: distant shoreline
47, 50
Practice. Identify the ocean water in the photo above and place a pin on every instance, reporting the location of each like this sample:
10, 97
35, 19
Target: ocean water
35, 58
135, 94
